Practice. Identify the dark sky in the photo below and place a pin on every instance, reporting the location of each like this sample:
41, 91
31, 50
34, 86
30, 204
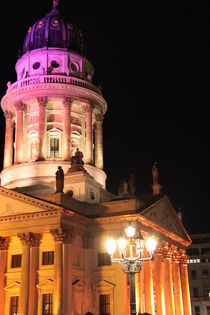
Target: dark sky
153, 65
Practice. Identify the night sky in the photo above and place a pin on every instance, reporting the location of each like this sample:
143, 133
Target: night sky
153, 65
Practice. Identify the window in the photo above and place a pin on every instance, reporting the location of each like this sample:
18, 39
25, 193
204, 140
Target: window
194, 274
104, 304
104, 259
195, 292
207, 292
48, 258
16, 261
14, 303
54, 147
192, 251
205, 251
205, 274
47, 304
208, 310
197, 310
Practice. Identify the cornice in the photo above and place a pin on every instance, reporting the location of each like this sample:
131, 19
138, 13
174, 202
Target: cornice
52, 89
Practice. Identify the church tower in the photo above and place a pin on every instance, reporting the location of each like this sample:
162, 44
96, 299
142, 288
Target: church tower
53, 108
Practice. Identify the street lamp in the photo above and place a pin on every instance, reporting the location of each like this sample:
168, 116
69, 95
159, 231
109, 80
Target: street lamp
131, 260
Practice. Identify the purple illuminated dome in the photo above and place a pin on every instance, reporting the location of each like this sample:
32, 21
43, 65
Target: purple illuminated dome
54, 31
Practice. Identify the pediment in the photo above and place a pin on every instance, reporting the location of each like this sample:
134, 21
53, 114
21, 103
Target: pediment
15, 203
14, 286
103, 284
78, 284
47, 283
164, 214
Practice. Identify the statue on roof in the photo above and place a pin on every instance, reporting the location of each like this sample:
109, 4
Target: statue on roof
55, 4
132, 186
155, 173
59, 180
77, 162
123, 188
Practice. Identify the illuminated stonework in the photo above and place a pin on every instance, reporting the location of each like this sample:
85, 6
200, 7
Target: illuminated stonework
52, 244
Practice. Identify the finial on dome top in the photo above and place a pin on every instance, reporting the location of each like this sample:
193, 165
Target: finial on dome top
55, 4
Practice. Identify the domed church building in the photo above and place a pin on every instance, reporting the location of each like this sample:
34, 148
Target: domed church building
56, 213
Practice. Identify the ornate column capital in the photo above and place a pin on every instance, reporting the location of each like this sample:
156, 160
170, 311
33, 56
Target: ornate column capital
88, 241
183, 257
8, 115
67, 102
26, 238
4, 242
63, 235
88, 108
42, 100
19, 106
99, 117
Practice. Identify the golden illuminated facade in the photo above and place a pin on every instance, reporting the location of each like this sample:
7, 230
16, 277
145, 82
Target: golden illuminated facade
53, 258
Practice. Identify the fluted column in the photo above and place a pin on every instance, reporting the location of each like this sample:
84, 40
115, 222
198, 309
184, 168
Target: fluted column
4, 243
88, 110
185, 286
41, 135
168, 284
26, 239
19, 144
177, 284
67, 129
8, 143
88, 246
99, 141
148, 287
159, 288
34, 266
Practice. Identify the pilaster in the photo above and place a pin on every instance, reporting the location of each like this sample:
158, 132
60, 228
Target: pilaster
4, 244
67, 128
88, 110
19, 143
8, 143
42, 101
99, 141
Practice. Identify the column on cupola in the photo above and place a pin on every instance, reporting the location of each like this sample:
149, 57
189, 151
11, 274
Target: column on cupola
42, 101
19, 143
168, 282
89, 141
4, 243
67, 128
99, 141
185, 284
148, 287
159, 286
26, 240
177, 284
8, 144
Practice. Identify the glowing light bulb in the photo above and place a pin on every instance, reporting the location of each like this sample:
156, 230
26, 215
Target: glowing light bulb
111, 246
151, 244
122, 245
130, 231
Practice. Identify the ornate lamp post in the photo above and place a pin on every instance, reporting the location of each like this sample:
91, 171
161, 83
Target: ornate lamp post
131, 263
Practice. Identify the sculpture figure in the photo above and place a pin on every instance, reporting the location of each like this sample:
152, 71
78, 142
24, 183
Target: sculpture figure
132, 185
77, 162
155, 173
59, 180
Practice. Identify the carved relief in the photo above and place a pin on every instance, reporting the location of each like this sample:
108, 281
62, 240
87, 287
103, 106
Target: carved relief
99, 117
88, 108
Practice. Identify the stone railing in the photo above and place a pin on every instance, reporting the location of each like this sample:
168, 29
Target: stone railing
54, 79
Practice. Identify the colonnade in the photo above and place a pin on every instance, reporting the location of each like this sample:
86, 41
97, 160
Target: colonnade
166, 285
27, 289
18, 118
